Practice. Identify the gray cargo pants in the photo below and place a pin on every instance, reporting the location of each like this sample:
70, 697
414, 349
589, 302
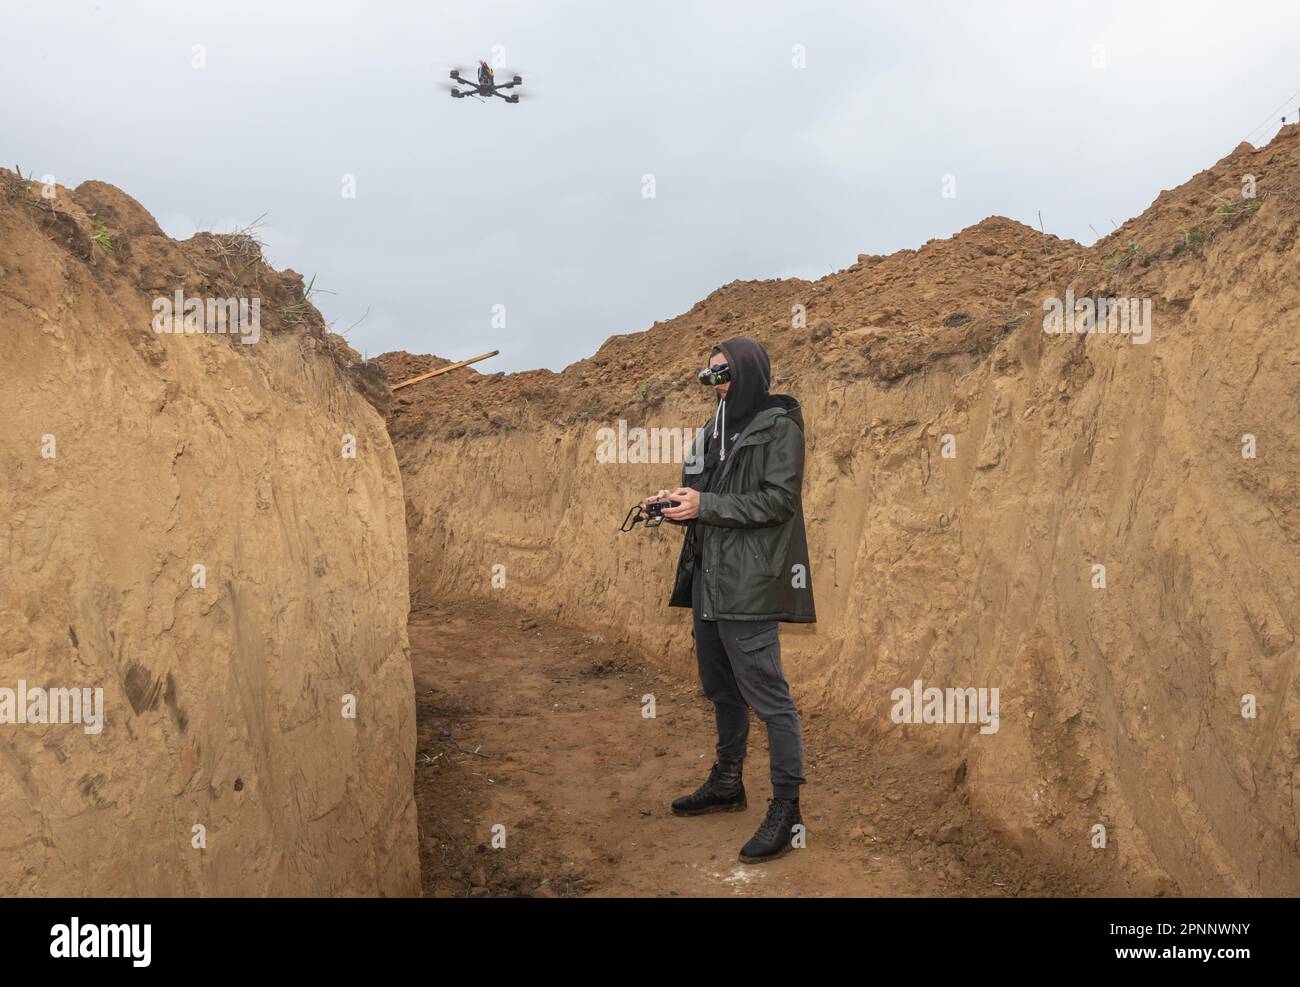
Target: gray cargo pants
740, 667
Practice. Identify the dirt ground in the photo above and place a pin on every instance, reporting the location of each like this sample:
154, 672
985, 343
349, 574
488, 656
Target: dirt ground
538, 728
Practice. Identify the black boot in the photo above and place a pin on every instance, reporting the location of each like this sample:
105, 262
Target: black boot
776, 835
723, 792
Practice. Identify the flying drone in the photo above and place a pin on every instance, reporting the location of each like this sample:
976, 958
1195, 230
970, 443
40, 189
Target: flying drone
486, 86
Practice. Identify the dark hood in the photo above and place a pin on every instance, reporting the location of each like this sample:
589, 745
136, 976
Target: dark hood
751, 374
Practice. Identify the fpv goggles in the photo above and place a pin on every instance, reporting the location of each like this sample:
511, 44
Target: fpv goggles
720, 374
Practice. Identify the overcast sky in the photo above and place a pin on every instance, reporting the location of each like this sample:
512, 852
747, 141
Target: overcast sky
762, 169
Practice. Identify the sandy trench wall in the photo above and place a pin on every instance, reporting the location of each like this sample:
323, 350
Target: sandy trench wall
1120, 707
223, 705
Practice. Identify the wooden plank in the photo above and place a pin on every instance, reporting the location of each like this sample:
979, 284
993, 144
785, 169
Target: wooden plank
443, 370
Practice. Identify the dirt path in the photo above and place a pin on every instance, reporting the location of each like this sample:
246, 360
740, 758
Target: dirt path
537, 728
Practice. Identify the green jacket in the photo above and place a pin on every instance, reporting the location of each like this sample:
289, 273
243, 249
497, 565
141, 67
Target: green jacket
755, 551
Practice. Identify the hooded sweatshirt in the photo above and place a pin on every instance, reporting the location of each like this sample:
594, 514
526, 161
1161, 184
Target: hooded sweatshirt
751, 375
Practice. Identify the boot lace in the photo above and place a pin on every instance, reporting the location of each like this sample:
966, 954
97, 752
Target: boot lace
772, 822
713, 782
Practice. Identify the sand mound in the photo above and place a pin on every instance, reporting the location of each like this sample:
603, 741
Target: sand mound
969, 472
131, 457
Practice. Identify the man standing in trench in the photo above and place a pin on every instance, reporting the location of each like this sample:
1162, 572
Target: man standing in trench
743, 568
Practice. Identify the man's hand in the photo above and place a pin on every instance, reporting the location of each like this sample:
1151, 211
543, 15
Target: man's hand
661, 495
688, 504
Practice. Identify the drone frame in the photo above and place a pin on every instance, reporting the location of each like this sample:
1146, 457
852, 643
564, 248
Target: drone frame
484, 89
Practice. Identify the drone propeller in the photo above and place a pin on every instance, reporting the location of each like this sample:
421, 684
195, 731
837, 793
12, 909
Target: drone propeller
460, 93
455, 91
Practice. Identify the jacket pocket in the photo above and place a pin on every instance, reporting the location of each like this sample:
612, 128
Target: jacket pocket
768, 546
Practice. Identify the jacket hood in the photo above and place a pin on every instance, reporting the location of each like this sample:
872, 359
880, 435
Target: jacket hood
789, 405
776, 406
751, 373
